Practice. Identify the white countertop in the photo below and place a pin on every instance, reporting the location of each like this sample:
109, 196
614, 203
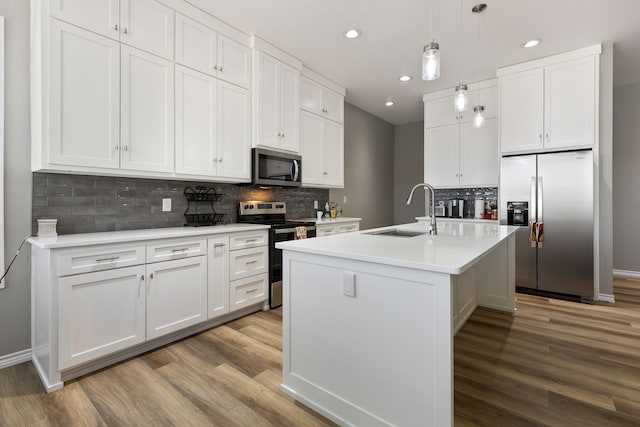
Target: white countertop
456, 247
336, 220
444, 218
86, 239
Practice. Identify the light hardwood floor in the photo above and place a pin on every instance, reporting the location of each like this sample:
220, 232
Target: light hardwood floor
552, 363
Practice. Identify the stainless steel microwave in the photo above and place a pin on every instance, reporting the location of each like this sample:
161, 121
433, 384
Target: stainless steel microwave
276, 169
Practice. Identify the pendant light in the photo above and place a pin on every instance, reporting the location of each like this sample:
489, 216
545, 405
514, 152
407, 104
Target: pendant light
478, 116
461, 98
431, 54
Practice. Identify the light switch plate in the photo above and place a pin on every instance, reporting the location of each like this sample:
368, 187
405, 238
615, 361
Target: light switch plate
166, 205
344, 199
349, 284
315, 204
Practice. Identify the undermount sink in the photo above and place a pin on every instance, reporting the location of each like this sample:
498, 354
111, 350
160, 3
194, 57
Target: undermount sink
398, 233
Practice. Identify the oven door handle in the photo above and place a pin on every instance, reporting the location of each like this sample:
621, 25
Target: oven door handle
290, 230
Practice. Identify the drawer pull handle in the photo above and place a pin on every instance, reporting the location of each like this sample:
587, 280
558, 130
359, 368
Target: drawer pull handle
180, 250
251, 240
251, 262
250, 291
219, 245
107, 259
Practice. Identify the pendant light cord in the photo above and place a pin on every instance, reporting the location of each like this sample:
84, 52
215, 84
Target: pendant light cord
14, 259
460, 40
430, 20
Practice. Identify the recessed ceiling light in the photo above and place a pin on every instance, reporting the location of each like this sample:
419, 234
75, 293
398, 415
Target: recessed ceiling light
531, 43
352, 34
479, 8
389, 103
405, 78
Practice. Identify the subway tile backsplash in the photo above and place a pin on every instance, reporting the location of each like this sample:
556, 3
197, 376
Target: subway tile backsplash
469, 195
86, 204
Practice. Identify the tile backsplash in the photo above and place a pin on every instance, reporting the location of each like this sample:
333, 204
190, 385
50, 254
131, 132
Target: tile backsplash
469, 195
86, 204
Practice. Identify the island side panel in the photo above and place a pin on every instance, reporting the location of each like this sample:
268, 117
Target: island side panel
495, 275
382, 357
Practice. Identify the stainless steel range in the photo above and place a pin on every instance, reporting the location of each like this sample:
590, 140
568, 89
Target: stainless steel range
274, 214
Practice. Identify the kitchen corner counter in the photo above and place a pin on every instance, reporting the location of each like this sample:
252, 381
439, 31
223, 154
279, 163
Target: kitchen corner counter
87, 239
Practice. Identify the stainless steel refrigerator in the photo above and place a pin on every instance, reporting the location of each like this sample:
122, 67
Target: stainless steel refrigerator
551, 196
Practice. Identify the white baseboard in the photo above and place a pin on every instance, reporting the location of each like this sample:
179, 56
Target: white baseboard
15, 358
607, 298
626, 274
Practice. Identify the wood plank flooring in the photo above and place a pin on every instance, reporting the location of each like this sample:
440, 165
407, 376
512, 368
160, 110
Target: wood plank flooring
553, 363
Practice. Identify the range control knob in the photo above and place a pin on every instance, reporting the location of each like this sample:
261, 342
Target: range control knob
246, 206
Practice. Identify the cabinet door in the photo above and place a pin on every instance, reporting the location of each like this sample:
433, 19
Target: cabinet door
441, 156
333, 106
333, 154
521, 111
147, 25
311, 128
267, 102
195, 122
440, 112
84, 98
311, 96
218, 277
147, 112
248, 262
196, 45
570, 104
479, 155
99, 16
234, 144
89, 330
234, 62
488, 98
176, 295
290, 108
248, 291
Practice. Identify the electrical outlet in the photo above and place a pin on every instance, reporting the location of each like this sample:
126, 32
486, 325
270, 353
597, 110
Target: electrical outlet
344, 199
166, 205
315, 204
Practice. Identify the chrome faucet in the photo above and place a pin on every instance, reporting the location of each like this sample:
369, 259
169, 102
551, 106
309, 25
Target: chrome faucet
434, 228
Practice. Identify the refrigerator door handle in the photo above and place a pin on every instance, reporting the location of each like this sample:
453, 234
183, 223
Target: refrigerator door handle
540, 215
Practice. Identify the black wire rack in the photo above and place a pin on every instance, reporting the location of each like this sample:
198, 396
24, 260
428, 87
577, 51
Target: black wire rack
200, 210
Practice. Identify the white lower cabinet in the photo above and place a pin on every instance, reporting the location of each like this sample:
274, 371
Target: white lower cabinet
218, 276
176, 295
100, 313
99, 303
337, 228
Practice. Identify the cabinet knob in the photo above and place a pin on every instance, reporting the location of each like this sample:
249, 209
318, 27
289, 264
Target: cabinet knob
324, 173
220, 159
215, 67
125, 148
125, 30
115, 27
220, 69
283, 134
116, 147
540, 137
547, 136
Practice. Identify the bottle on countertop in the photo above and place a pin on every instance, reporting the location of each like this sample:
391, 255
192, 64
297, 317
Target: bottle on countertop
333, 210
327, 211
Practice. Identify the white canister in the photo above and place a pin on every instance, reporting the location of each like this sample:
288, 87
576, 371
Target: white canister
47, 227
479, 209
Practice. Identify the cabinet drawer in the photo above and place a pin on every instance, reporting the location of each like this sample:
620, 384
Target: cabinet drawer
248, 239
325, 231
175, 249
248, 291
98, 258
248, 262
349, 227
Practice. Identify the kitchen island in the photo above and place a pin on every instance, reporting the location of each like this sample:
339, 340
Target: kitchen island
369, 317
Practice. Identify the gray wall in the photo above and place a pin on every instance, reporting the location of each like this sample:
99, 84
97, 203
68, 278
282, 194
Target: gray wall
408, 166
15, 297
368, 172
626, 178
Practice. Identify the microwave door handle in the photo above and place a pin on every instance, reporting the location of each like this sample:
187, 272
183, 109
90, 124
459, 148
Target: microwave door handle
296, 170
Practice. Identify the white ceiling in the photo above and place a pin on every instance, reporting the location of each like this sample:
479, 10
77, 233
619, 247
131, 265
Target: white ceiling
394, 32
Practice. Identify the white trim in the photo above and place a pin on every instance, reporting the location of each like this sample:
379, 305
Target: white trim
626, 274
15, 358
279, 54
318, 78
607, 298
595, 49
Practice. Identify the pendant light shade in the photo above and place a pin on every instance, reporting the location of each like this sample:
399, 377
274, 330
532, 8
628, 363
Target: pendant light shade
461, 98
478, 116
431, 61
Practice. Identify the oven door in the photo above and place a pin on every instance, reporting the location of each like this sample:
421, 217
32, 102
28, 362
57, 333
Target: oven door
275, 260
273, 168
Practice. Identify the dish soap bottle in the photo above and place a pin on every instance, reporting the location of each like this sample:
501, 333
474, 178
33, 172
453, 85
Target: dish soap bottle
327, 213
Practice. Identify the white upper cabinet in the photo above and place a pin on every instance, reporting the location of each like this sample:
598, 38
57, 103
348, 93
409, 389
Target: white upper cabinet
321, 100
276, 104
550, 107
455, 153
212, 127
322, 150
145, 24
99, 16
84, 102
147, 134
203, 49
